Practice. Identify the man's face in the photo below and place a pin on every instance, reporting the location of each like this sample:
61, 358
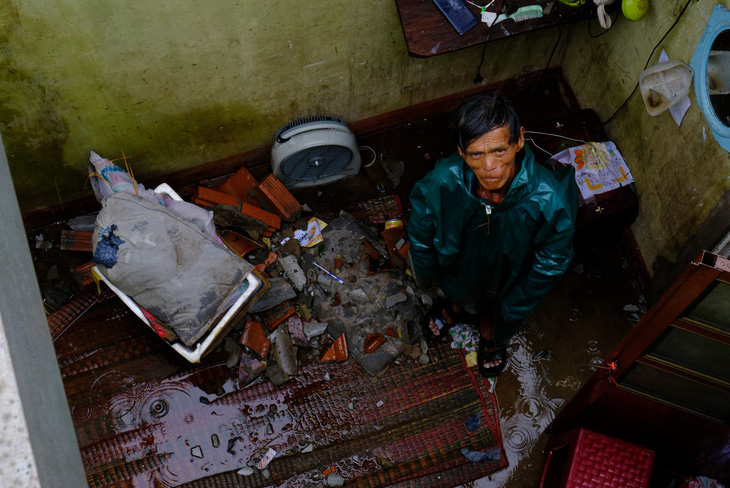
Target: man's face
492, 158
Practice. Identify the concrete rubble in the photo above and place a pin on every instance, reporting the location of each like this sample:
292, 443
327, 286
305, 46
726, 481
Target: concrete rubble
345, 285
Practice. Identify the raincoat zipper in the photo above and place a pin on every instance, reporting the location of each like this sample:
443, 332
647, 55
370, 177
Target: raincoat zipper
488, 210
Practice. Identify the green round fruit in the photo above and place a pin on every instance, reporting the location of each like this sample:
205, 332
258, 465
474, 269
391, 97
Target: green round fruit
635, 9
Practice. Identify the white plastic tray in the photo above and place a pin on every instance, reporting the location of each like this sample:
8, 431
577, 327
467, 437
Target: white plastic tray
256, 286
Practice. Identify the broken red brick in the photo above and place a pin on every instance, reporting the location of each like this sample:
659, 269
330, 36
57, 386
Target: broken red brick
216, 197
240, 184
278, 198
268, 218
338, 263
83, 272
268, 232
201, 202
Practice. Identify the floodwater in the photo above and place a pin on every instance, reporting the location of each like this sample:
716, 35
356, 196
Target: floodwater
562, 344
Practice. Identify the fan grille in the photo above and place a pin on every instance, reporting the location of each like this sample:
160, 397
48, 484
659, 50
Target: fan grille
315, 163
304, 121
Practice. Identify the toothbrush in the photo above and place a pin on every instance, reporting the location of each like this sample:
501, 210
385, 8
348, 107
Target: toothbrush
522, 13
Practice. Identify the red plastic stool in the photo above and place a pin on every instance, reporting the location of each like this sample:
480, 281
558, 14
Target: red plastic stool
593, 460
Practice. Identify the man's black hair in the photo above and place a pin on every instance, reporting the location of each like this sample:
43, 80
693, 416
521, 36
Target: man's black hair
481, 114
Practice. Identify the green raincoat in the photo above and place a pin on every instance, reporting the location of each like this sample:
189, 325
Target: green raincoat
472, 248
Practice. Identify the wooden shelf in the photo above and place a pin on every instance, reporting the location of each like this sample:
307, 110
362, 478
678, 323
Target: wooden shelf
428, 32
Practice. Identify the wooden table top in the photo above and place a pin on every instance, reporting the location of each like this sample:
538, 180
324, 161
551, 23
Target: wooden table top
428, 32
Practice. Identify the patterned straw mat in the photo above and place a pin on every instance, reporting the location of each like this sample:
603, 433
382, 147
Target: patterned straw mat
145, 418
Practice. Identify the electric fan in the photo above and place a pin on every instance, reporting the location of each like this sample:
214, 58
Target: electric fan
314, 151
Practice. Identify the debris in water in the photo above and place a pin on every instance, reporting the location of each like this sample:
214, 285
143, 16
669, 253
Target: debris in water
478, 456
266, 459
474, 421
543, 354
569, 382
334, 479
197, 452
231, 443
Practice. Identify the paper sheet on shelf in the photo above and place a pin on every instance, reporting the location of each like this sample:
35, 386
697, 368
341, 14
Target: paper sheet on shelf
599, 167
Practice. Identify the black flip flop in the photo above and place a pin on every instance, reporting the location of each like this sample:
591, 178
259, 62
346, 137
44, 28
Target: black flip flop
436, 313
484, 356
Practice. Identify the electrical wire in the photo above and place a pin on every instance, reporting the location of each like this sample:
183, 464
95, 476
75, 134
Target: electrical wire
375, 155
538, 147
478, 78
613, 22
555, 135
549, 134
647, 63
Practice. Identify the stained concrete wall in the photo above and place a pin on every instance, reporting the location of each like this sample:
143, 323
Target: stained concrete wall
183, 83
682, 173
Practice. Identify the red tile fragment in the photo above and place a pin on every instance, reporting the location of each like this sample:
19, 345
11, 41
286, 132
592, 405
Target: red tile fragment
391, 332
337, 352
275, 320
255, 339
372, 342
339, 263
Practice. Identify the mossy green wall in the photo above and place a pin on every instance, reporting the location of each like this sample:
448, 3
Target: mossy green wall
181, 83
680, 172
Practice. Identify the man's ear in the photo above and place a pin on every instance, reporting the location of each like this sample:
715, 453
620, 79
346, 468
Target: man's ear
521, 142
461, 153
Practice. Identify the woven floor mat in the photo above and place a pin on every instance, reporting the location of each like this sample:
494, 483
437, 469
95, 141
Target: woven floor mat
414, 426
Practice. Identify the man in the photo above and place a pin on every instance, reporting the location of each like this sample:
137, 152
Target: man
491, 227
